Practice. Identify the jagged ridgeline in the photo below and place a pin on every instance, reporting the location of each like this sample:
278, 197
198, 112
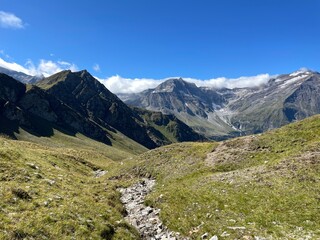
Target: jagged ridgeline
78, 103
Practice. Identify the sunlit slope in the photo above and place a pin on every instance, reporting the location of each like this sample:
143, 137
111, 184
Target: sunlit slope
257, 186
55, 193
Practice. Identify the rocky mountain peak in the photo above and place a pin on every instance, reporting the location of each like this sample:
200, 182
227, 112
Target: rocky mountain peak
76, 82
85, 74
293, 79
176, 85
301, 71
54, 79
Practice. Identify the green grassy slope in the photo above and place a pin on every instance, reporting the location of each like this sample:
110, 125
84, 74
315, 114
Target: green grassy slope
122, 146
52, 193
264, 185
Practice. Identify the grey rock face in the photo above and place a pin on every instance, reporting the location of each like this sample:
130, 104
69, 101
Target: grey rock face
37, 103
144, 218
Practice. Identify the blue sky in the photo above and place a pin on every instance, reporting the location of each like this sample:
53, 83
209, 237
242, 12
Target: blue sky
155, 39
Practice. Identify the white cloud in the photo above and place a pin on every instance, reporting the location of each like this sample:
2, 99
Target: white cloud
66, 65
118, 84
48, 67
9, 20
45, 67
13, 66
241, 82
96, 67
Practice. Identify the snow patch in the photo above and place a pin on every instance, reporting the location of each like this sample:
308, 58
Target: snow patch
301, 71
293, 80
162, 90
224, 115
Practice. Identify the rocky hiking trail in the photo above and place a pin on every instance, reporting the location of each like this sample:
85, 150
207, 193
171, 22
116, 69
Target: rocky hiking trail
144, 218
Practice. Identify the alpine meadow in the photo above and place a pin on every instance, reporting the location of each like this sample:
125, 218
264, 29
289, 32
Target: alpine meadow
159, 120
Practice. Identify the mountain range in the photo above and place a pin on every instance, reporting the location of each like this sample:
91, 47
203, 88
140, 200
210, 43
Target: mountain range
78, 103
174, 111
224, 113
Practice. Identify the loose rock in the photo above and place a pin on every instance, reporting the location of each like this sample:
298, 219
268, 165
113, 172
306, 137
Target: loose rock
145, 218
99, 173
215, 237
204, 236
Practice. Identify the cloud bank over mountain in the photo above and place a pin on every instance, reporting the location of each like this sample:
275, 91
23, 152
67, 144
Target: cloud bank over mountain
118, 84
